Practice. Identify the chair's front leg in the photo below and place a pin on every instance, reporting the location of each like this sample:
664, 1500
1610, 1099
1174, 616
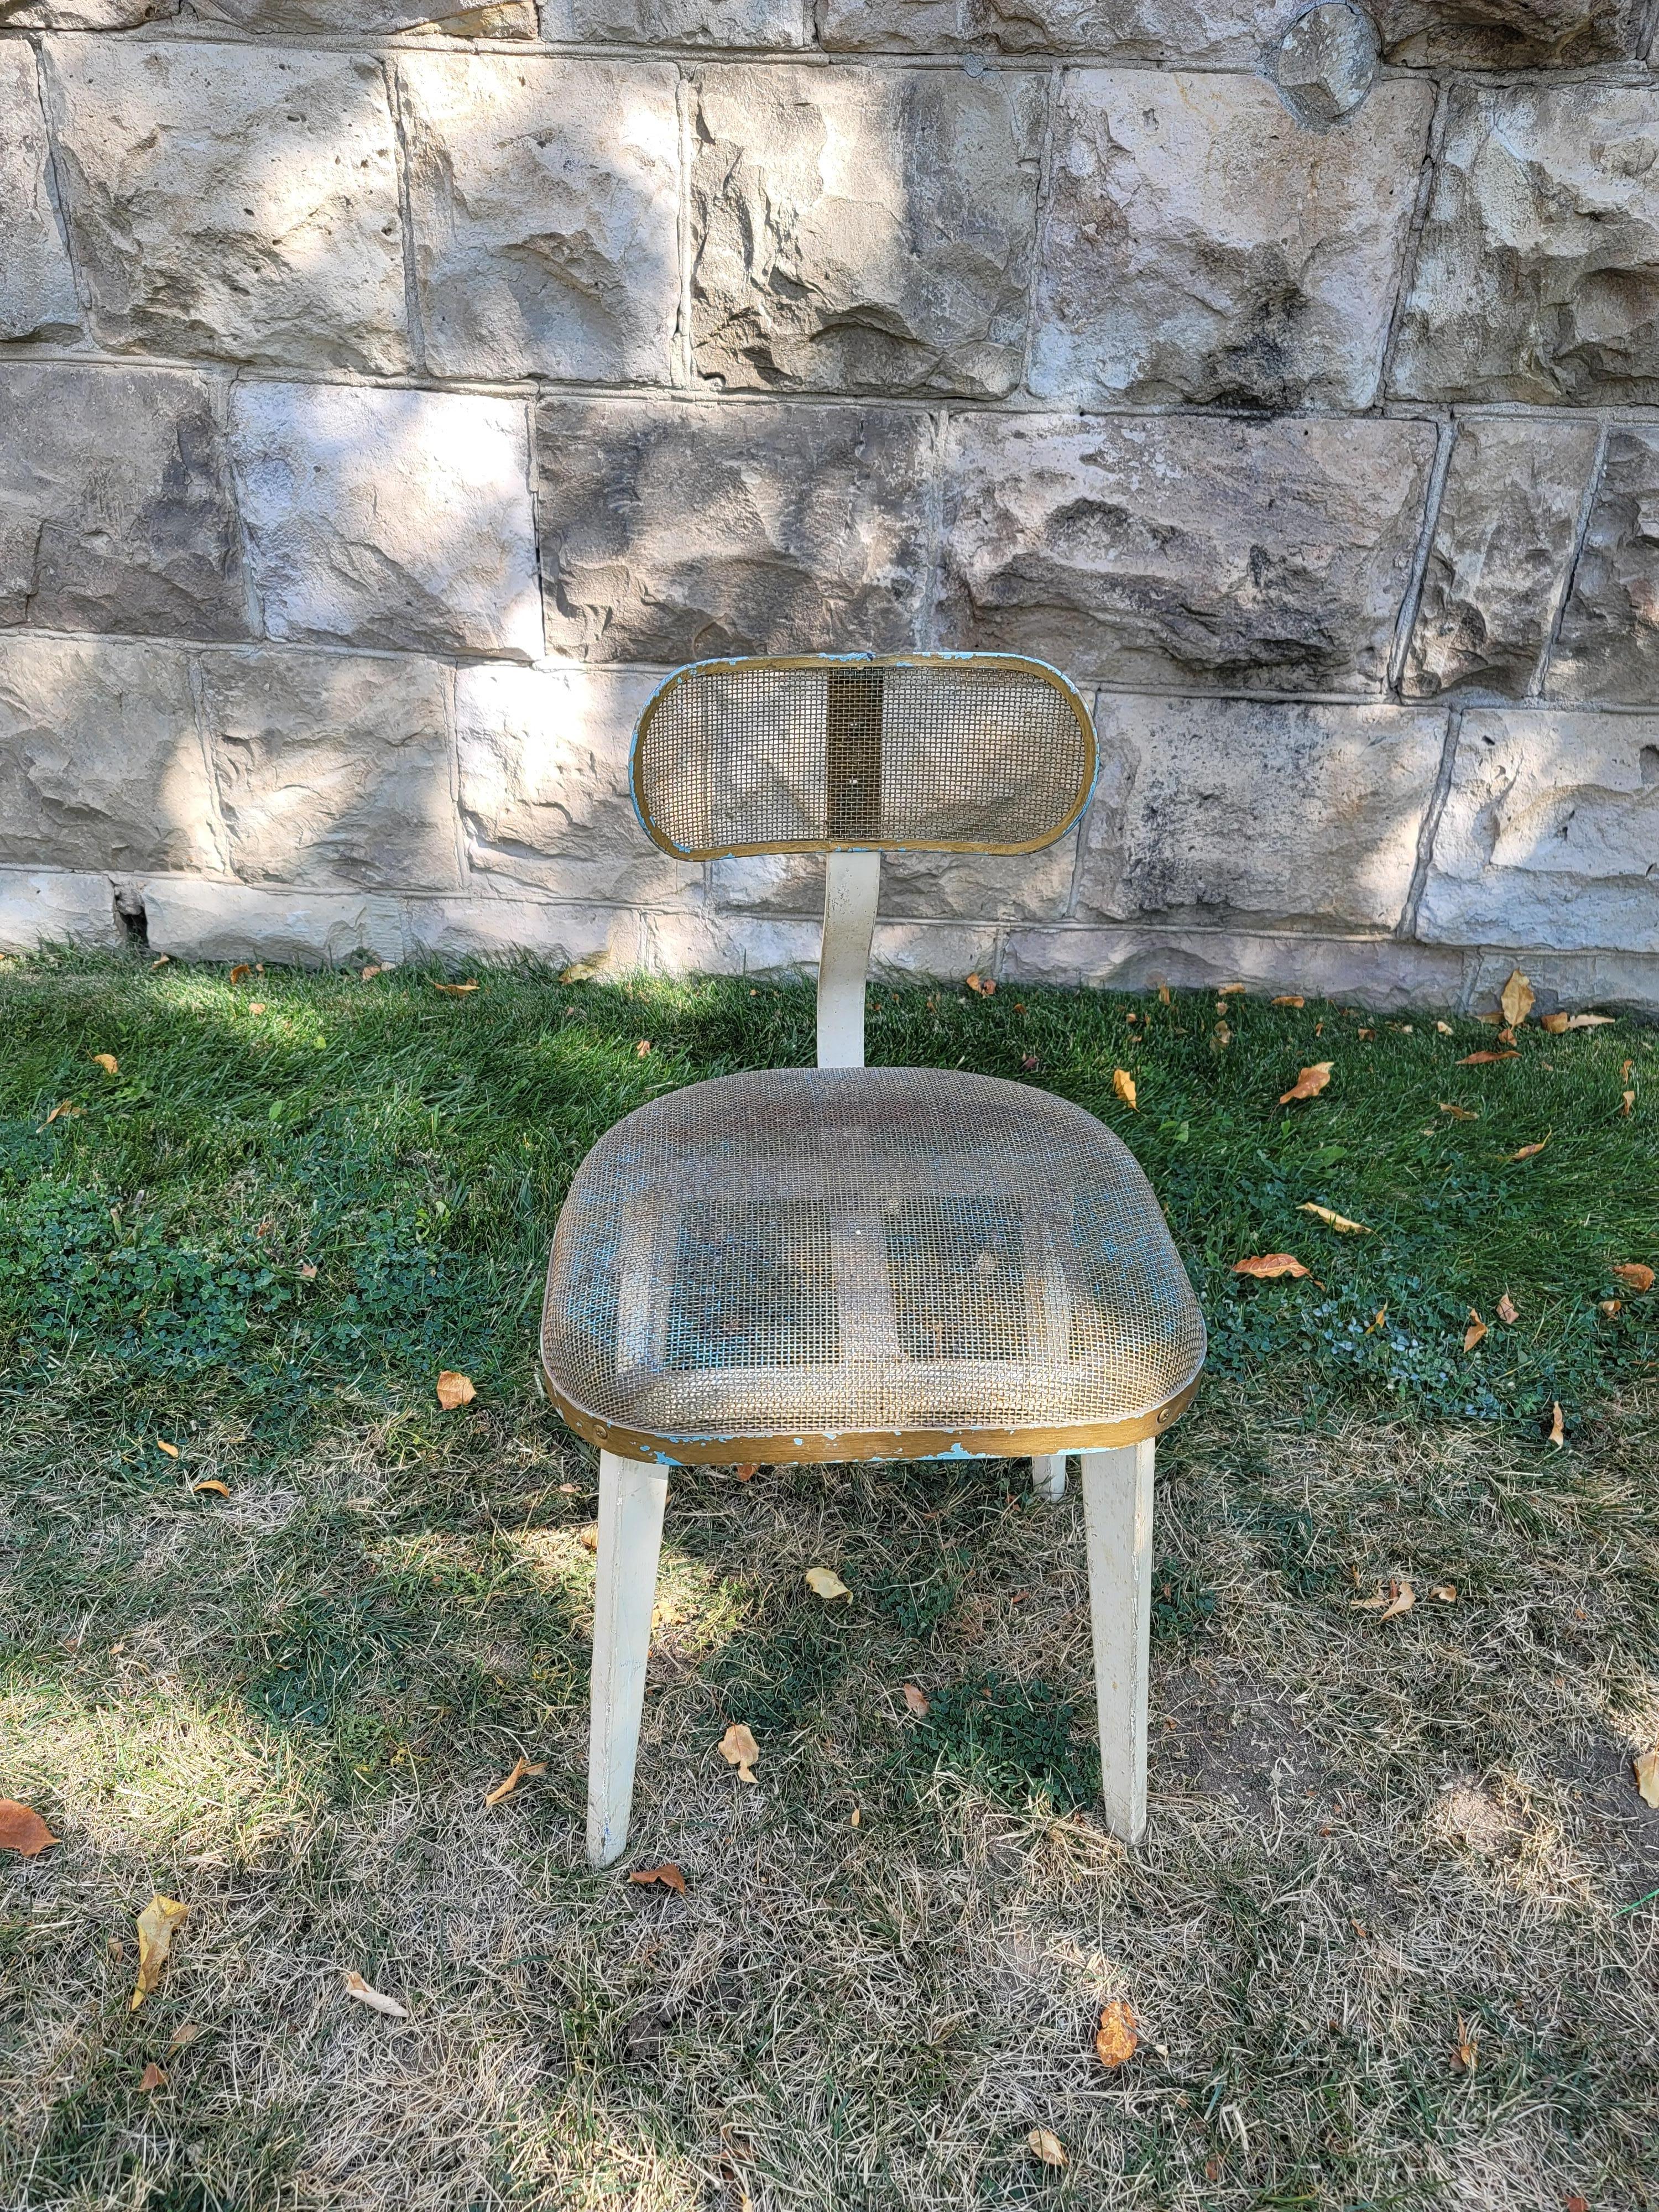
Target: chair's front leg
1117, 1506
631, 1500
1048, 1476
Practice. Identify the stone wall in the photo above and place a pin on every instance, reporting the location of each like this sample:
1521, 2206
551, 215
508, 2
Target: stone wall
387, 396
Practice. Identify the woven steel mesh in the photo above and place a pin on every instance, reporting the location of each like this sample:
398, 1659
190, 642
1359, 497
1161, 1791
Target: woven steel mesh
826, 1251
759, 755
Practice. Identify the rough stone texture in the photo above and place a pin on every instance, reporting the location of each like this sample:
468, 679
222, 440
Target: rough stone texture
1503, 542
915, 886
1385, 972
116, 505
43, 907
544, 201
1229, 811
100, 759
368, 19
1508, 34
1608, 646
673, 531
334, 772
544, 793
1327, 62
1202, 246
1550, 834
863, 231
80, 15
397, 519
1127, 30
679, 23
1170, 551
235, 203
614, 938
1534, 278
1568, 982
37, 286
194, 920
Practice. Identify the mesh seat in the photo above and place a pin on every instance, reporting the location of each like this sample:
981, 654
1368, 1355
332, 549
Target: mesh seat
847, 1263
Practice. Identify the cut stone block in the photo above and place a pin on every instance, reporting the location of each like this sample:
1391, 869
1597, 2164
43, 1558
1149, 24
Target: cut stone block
611, 937
194, 920
1202, 246
1327, 62
1175, 550
545, 791
37, 285
371, 19
398, 519
861, 230
1127, 30
232, 201
100, 759
1508, 34
678, 22
673, 531
1535, 275
1549, 835
1380, 972
116, 505
1608, 647
1503, 541
80, 15
45, 908
1257, 813
544, 202
334, 772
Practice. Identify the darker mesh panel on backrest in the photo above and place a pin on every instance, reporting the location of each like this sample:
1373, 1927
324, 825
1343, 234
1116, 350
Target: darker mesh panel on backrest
762, 755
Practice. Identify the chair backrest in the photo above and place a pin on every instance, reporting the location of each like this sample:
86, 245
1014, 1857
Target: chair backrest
982, 752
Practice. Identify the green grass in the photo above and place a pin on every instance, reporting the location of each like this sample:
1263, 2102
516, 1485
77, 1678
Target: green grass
260, 1239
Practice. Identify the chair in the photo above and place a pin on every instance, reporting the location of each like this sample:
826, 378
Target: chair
850, 1263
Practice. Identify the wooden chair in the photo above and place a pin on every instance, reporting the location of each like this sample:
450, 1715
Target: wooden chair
851, 1263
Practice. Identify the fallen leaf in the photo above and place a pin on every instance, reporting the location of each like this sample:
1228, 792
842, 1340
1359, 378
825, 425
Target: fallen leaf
1460, 1113
1530, 1152
1506, 1037
1117, 2039
1164, 995
1517, 997
1647, 1775
185, 2032
307, 1271
1611, 1307
1624, 1070
667, 1874
158, 1924
1046, 2147
152, 2078
1124, 1083
917, 1700
161, 962
1508, 1312
1445, 1029
356, 1986
1557, 1434
1474, 1332
239, 971
642, 1047
1309, 1084
1627, 1101
747, 1471
107, 1062
1466, 2052
520, 1768
739, 1748
1266, 1265
1485, 1058
1289, 998
1555, 1023
1591, 1021
454, 991
220, 1489
1229, 990
1404, 1598
454, 1390
1367, 1036
589, 1538
854, 1818
256, 1005
826, 1582
22, 1829
1030, 1062
116, 1949
1376, 1321
982, 986
67, 1108
1337, 1221
1636, 1273
1386, 1595
162, 1445
1445, 1592
374, 968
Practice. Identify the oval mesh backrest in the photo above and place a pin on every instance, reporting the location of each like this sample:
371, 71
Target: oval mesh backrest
977, 752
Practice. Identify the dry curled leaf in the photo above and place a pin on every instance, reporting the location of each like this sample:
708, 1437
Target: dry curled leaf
1046, 2147
256, 1005
356, 1986
982, 986
1635, 1273
1446, 1593
739, 1748
1515, 999
826, 1582
510, 1783
588, 1538
454, 1390
1627, 1101
1530, 1152
162, 1445
219, 1489
67, 1109
1230, 990
1508, 1312
158, 1924
1611, 1307
1309, 1084
151, 2078
1591, 1021
667, 1874
1266, 1265
747, 1471
1483, 1059
1475, 1331
1445, 1029
107, 1062
1124, 1083
1340, 1222
455, 990
1555, 1024
1557, 1434
186, 2031
241, 972
917, 1700
1459, 1112
580, 972
374, 968
1647, 1775
22, 1829
1466, 2052
1396, 1598
307, 1271
1117, 2039
642, 1049
1289, 998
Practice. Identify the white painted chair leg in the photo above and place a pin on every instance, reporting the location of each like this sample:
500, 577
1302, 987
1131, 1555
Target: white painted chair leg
1117, 1505
1048, 1477
631, 1500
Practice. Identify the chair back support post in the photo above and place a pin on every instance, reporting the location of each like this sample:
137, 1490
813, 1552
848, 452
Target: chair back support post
852, 883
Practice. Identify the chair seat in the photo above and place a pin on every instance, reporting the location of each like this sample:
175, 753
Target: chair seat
864, 1263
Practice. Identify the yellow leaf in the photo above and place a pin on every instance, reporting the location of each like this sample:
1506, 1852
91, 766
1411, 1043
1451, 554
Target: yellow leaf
455, 990
1474, 1332
1289, 998
1611, 1307
1647, 1775
1460, 1113
1508, 1312
1046, 2147
256, 1005
454, 1390
1554, 1023
1515, 999
69, 1111
1116, 2039
826, 1582
1531, 1152
1636, 1273
643, 1047
220, 1489
983, 987
1164, 995
1466, 2051
151, 2078
240, 971
739, 1748
22, 1829
158, 1924
580, 972
1337, 1221
520, 1768
107, 1062
1627, 1101
162, 1445
356, 1986
1404, 1598
1229, 990
1309, 1084
589, 1538
1557, 1434
1124, 1083
917, 1700
1266, 1265
1445, 1592
1445, 1029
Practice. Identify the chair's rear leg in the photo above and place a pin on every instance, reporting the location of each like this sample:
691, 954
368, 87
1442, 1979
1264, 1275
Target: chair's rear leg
1117, 1505
631, 1500
1048, 1476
